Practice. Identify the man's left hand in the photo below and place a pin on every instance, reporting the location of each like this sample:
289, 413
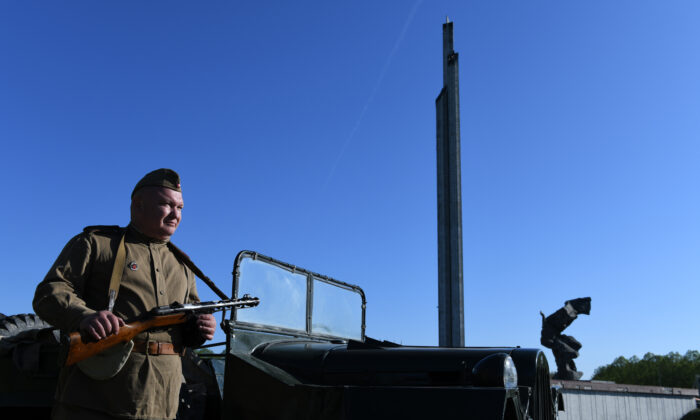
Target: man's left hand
206, 325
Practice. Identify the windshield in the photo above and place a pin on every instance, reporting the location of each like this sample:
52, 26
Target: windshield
296, 301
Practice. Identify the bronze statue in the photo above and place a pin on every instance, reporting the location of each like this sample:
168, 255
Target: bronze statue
564, 347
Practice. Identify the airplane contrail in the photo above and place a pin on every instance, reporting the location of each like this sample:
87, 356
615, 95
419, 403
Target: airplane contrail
350, 136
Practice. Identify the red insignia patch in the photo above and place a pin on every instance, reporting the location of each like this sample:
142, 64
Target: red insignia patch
133, 266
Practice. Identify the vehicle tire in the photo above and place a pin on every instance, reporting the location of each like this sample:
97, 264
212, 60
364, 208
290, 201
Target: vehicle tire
692, 415
15, 324
27, 395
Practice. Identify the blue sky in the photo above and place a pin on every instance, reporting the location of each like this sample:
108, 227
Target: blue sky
306, 131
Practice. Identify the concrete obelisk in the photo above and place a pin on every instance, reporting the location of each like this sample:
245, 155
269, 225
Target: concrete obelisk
449, 197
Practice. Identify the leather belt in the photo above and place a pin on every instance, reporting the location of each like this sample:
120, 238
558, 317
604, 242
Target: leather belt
156, 348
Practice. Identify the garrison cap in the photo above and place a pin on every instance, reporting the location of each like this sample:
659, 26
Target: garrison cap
159, 178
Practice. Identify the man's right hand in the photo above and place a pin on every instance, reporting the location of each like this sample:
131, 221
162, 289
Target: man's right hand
100, 325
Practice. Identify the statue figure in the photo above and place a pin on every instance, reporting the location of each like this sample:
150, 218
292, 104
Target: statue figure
564, 347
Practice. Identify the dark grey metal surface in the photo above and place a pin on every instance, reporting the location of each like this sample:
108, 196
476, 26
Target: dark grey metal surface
272, 372
449, 197
299, 381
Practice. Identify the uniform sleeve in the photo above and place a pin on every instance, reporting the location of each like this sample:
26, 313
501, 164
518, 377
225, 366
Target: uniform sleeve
57, 298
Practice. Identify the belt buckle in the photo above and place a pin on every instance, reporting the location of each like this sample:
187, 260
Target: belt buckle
153, 348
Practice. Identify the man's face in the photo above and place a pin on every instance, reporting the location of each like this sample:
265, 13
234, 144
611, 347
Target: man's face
157, 211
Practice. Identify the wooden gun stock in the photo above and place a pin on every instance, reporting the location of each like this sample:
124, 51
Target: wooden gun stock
163, 316
79, 350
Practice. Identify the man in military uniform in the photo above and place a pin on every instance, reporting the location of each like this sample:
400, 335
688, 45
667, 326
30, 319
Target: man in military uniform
75, 296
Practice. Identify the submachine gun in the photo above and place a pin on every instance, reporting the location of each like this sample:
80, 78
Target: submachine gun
162, 316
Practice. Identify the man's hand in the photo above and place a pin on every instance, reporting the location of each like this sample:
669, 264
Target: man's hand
206, 325
101, 324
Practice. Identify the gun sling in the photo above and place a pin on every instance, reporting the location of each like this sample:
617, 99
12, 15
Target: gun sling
117, 272
153, 347
106, 364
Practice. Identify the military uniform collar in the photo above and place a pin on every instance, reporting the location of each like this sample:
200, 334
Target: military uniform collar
138, 236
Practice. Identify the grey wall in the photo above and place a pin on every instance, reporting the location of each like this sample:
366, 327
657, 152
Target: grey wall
594, 405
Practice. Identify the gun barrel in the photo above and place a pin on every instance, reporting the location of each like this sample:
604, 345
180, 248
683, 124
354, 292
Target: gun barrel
207, 307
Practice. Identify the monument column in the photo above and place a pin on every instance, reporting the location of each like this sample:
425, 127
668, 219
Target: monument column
449, 197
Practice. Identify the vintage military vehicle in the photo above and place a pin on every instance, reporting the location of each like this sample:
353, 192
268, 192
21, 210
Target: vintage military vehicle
303, 354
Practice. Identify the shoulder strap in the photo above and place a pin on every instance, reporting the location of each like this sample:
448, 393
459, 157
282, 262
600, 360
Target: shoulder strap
103, 229
117, 272
188, 262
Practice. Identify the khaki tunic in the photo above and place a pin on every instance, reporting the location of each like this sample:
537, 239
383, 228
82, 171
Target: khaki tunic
77, 285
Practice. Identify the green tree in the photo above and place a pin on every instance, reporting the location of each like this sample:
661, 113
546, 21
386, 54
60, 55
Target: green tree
671, 370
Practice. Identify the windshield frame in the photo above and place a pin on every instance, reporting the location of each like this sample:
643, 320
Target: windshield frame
310, 277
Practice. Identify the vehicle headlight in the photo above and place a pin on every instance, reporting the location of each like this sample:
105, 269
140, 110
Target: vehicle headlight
495, 370
510, 374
